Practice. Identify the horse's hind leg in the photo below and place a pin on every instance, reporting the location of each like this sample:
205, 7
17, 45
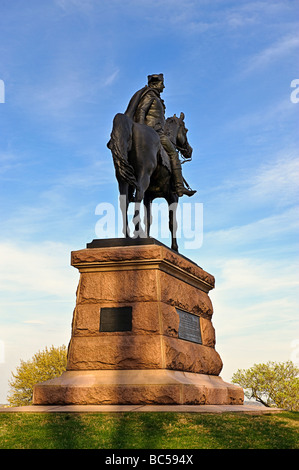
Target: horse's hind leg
124, 204
143, 184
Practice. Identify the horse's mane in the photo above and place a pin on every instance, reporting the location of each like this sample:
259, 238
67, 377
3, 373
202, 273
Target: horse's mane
171, 120
169, 125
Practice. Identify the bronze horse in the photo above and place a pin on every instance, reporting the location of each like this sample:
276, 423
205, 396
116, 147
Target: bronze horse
143, 172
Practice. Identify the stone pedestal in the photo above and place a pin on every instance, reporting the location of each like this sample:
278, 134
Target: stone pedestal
132, 336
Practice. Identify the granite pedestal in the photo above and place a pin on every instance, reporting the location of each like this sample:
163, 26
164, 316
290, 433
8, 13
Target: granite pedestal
142, 331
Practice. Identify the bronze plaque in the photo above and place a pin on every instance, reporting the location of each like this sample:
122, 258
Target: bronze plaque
116, 319
189, 327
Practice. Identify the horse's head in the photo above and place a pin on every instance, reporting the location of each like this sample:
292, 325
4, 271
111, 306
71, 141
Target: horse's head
177, 132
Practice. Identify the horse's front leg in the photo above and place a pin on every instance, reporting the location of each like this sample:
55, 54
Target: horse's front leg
147, 214
172, 204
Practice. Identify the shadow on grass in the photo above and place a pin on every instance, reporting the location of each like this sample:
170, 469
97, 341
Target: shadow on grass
109, 431
194, 431
148, 431
65, 431
44, 431
141, 430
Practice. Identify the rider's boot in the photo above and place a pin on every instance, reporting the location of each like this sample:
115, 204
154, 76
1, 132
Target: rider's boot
179, 182
176, 168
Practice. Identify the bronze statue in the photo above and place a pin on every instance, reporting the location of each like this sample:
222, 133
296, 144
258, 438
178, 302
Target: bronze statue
143, 145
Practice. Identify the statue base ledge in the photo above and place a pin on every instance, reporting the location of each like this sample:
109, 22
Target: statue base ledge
133, 387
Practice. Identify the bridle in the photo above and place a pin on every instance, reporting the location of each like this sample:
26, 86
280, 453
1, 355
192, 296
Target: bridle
181, 150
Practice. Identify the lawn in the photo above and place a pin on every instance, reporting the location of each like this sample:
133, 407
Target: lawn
148, 431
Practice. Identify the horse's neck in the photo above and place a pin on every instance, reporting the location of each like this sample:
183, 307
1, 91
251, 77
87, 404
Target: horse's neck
171, 129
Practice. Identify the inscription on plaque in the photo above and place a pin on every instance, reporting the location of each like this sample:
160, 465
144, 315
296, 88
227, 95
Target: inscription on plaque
189, 327
116, 319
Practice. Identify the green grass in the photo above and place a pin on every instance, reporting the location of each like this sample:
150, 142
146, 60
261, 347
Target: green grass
148, 431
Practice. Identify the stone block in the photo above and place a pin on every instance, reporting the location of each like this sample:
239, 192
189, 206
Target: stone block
128, 387
184, 296
122, 351
191, 357
118, 286
145, 318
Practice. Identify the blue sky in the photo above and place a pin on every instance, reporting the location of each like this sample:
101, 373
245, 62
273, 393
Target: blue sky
68, 67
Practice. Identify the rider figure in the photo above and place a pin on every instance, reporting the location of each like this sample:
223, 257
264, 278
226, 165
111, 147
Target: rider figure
147, 107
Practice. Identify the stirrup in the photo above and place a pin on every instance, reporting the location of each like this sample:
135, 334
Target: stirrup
181, 190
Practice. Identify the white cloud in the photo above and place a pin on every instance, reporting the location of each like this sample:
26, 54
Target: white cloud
264, 229
63, 204
41, 268
9, 162
256, 264
6, 157
34, 322
259, 276
274, 182
278, 50
264, 118
60, 96
38, 294
257, 205
81, 5
110, 78
278, 178
255, 311
22, 340
254, 12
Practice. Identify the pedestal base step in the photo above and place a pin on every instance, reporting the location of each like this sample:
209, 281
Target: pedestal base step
131, 387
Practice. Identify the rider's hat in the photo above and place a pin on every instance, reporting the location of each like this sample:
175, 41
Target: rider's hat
155, 78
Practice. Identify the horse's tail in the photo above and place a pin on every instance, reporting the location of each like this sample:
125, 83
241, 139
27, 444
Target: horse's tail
120, 144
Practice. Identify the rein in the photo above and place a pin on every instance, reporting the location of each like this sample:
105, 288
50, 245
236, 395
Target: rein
180, 149
186, 159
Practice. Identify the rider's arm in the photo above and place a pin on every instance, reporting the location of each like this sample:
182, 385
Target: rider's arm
144, 107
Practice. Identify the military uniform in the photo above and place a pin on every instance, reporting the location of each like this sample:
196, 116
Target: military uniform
147, 107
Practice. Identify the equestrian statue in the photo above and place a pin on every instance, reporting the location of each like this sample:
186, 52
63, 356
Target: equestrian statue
145, 147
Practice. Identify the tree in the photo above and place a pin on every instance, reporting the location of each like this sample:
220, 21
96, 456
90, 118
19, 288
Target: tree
44, 365
272, 384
